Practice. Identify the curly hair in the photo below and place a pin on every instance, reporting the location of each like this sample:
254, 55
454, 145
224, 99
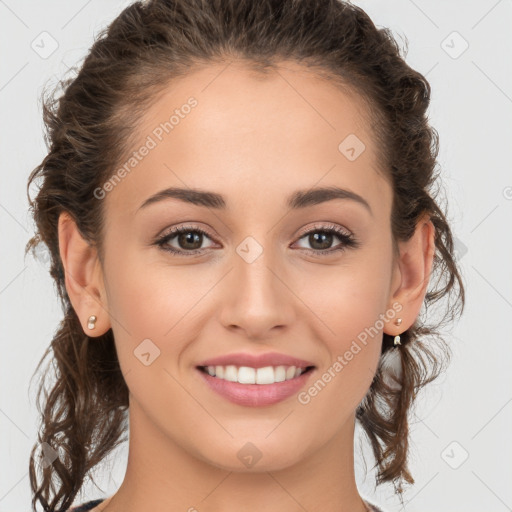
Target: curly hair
90, 121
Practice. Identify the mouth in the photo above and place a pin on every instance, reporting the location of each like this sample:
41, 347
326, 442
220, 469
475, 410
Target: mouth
266, 375
255, 387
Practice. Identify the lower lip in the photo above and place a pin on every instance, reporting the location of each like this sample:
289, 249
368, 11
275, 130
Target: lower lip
256, 395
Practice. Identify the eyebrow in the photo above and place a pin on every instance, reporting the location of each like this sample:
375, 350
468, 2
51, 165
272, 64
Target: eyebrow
298, 199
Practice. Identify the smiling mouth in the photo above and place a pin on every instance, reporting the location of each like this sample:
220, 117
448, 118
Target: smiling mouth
248, 375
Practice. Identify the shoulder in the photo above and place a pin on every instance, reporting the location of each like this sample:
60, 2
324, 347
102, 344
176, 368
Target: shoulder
88, 505
373, 508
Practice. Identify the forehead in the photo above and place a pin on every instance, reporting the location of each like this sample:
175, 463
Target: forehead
229, 128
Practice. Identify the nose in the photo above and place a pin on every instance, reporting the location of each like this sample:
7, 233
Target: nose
258, 297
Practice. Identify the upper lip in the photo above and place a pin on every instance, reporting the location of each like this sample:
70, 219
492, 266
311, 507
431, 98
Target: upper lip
256, 360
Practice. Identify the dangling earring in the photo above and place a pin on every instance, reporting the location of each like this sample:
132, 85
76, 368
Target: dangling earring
91, 322
398, 321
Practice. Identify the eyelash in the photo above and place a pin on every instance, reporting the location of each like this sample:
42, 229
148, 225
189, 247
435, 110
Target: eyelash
348, 240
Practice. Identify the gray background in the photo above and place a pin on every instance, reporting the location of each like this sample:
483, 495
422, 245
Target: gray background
461, 443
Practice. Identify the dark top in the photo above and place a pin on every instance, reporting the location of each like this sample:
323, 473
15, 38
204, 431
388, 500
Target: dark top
88, 505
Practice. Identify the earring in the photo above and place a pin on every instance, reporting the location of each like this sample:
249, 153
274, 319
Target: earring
398, 321
91, 322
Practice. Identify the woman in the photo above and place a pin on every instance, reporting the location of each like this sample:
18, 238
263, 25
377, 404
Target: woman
238, 204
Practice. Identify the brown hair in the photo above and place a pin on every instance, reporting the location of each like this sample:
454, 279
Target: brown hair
90, 120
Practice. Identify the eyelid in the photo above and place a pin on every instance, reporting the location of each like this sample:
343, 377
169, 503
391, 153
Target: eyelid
346, 237
190, 227
317, 226
324, 225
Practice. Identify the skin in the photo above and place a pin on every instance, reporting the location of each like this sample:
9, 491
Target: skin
255, 141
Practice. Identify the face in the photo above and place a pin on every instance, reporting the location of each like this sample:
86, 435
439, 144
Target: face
256, 271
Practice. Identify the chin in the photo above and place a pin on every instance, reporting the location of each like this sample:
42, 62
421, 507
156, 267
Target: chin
253, 457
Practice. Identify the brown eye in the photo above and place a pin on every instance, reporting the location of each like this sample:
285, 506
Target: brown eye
321, 239
188, 240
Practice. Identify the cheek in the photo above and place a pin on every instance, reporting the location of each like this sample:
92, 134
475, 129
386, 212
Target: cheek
349, 298
146, 297
348, 305
156, 302
142, 306
351, 332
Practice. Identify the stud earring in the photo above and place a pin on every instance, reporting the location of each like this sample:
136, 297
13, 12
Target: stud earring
91, 322
398, 321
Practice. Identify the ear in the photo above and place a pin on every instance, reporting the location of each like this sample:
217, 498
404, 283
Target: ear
83, 276
411, 275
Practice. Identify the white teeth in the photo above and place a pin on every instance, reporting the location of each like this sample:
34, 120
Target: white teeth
248, 375
280, 374
231, 373
265, 375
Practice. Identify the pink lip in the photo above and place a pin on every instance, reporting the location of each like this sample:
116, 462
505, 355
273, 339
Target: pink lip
255, 395
256, 361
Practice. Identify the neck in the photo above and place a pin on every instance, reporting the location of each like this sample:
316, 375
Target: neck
162, 475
